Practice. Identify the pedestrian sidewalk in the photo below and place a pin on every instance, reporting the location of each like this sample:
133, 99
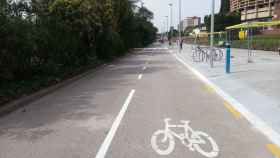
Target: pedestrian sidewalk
255, 85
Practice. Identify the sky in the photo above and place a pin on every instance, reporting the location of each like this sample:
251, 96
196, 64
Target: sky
161, 9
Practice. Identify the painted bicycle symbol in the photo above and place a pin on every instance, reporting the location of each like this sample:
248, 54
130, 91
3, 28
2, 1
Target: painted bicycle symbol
193, 140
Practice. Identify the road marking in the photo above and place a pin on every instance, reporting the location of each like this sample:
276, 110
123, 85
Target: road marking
257, 122
275, 150
194, 140
144, 68
234, 112
105, 145
209, 89
140, 76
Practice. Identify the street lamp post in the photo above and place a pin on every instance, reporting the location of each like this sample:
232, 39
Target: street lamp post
162, 31
171, 20
142, 3
212, 33
180, 12
167, 26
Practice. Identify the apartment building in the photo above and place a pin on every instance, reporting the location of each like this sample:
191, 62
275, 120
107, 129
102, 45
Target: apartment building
277, 10
255, 10
190, 22
193, 21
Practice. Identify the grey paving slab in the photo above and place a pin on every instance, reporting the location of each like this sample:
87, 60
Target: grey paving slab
255, 85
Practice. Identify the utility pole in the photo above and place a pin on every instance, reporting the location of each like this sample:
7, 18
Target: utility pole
171, 19
212, 33
142, 4
167, 26
180, 12
162, 31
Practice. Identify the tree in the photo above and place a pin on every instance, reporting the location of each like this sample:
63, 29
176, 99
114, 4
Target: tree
145, 14
225, 6
45, 40
224, 18
49, 36
222, 21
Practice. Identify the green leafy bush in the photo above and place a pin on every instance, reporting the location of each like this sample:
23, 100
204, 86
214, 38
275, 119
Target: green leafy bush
44, 41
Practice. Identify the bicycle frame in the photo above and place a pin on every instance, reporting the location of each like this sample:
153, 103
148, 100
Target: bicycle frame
203, 54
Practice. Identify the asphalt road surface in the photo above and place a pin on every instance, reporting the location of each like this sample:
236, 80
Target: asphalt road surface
121, 111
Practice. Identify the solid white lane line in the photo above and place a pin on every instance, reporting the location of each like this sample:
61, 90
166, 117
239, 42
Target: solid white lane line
105, 145
140, 77
257, 122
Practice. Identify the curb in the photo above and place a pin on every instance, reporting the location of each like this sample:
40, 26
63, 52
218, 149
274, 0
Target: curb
23, 101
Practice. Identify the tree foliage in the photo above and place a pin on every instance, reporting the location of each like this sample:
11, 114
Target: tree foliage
222, 21
46, 36
225, 6
224, 18
49, 37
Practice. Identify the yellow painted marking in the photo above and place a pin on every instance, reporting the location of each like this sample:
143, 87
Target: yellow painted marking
209, 89
230, 108
275, 150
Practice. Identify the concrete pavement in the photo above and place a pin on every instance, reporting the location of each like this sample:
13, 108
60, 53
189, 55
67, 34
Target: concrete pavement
116, 112
255, 85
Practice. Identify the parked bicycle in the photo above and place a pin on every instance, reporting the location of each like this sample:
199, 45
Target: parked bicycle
203, 54
218, 54
199, 54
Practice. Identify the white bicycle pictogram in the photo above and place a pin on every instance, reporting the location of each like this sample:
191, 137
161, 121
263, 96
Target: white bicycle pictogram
190, 138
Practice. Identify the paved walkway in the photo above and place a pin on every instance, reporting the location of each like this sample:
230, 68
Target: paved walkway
121, 111
255, 85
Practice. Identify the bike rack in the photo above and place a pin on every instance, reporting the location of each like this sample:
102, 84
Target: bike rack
202, 54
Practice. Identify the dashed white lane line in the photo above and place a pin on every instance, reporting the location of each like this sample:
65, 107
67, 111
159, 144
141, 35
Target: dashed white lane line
105, 145
257, 122
140, 76
144, 68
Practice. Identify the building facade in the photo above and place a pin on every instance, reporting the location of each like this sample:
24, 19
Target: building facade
255, 10
193, 21
277, 10
190, 22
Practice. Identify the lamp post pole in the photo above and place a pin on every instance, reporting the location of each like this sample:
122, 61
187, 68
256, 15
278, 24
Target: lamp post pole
171, 20
180, 27
212, 33
142, 4
167, 26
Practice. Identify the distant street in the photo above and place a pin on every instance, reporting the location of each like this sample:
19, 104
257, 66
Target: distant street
145, 105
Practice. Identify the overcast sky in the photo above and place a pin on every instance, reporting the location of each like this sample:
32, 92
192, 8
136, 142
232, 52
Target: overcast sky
160, 9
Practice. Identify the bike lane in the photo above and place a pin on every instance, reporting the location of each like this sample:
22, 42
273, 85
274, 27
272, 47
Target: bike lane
72, 121
169, 90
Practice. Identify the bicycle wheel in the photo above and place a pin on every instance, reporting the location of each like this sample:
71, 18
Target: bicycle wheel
209, 142
219, 54
159, 145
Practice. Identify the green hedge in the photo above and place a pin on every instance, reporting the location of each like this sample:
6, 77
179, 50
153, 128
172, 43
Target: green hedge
43, 42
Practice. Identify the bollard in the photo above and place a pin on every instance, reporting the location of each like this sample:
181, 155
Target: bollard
228, 56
